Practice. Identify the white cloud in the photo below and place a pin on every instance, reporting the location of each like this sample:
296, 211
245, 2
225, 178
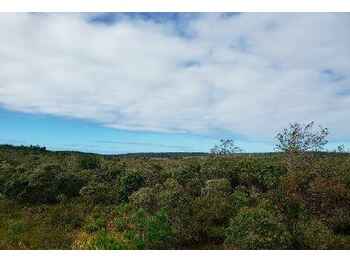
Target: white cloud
247, 74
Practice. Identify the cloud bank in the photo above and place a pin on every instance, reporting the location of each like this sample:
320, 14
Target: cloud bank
247, 75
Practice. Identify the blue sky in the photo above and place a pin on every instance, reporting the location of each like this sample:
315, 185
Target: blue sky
139, 82
69, 134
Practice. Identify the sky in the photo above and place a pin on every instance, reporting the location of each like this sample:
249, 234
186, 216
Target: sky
159, 82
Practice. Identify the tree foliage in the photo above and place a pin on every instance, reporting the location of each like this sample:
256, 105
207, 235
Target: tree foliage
301, 138
225, 147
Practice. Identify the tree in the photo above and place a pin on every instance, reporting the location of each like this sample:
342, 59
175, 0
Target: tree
298, 140
301, 138
225, 147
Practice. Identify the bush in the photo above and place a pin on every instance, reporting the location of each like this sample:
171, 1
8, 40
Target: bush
87, 161
110, 173
159, 234
179, 207
239, 200
43, 185
329, 199
254, 171
212, 209
130, 182
315, 235
257, 228
146, 198
100, 193
217, 187
187, 172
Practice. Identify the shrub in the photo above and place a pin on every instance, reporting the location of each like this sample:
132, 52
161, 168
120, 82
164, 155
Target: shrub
187, 172
100, 193
146, 198
130, 182
254, 171
179, 207
217, 187
257, 228
315, 235
329, 199
239, 200
97, 222
110, 173
212, 209
87, 161
43, 185
159, 234
132, 230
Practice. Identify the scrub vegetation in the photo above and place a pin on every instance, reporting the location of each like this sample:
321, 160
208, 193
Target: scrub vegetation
295, 198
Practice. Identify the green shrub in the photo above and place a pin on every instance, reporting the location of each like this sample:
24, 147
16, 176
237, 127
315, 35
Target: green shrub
212, 209
179, 207
97, 223
43, 185
130, 182
315, 235
87, 161
110, 173
257, 228
217, 187
159, 234
100, 193
187, 172
146, 198
239, 200
256, 171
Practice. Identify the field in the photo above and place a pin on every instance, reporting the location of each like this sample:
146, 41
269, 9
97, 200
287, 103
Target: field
71, 200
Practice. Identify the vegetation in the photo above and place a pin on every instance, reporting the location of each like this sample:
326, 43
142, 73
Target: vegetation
298, 198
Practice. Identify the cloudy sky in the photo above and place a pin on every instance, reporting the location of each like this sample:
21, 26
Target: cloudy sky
128, 82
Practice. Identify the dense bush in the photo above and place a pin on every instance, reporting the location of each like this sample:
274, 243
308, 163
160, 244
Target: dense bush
315, 235
87, 161
146, 198
179, 207
213, 209
257, 228
130, 182
240, 199
42, 185
256, 172
68, 200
